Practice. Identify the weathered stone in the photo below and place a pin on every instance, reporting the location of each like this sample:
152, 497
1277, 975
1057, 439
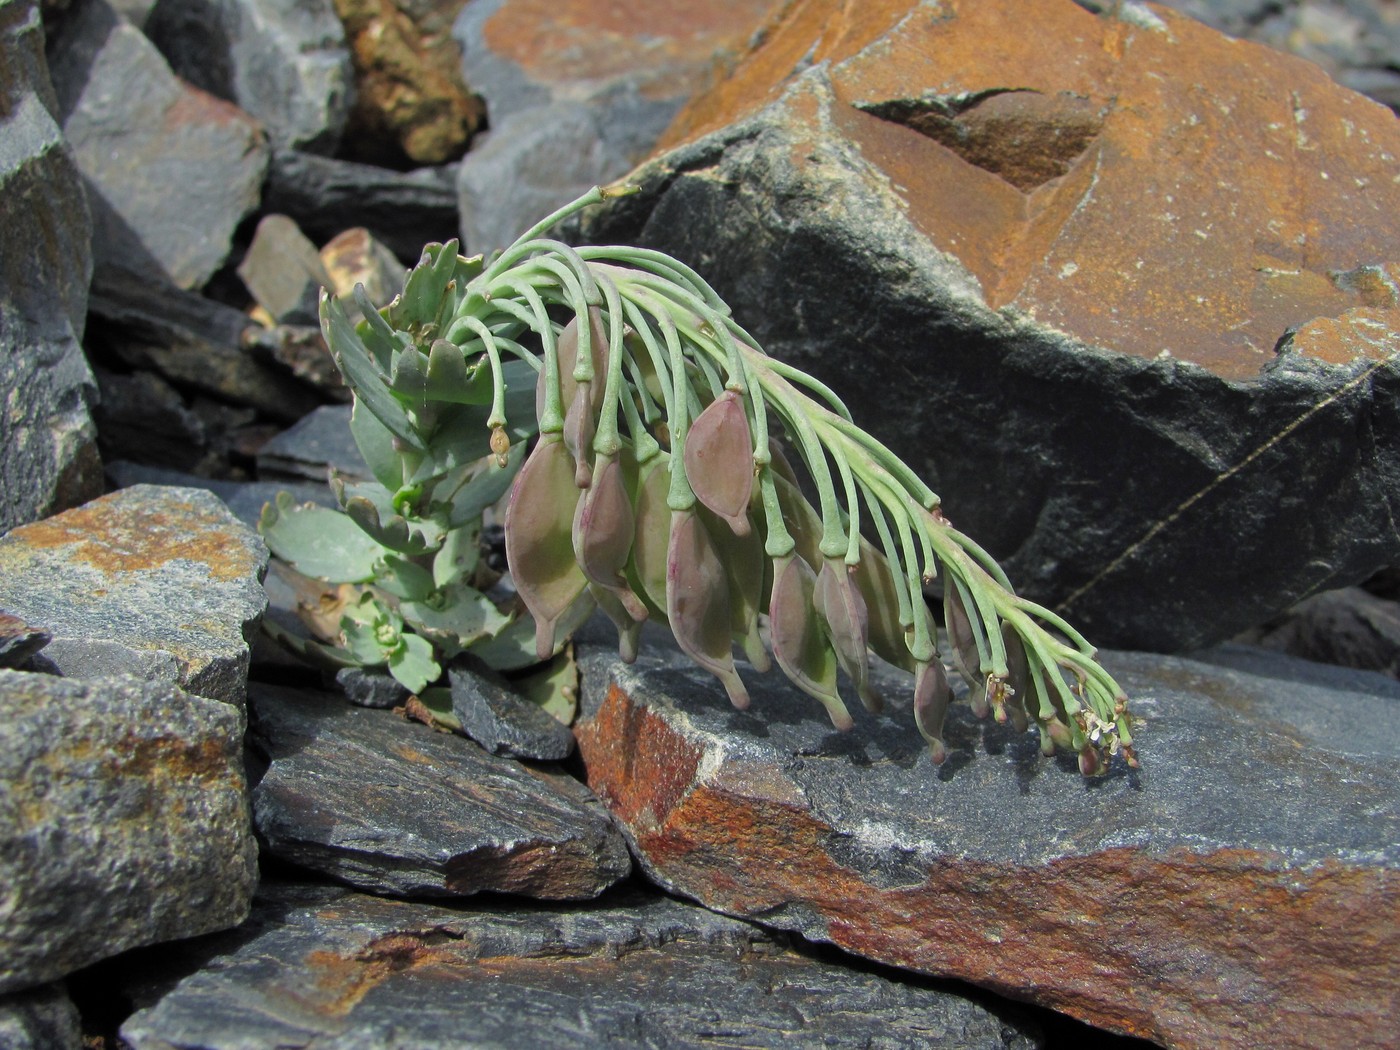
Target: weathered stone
1239, 890
411, 101
19, 640
578, 92
642, 971
319, 442
160, 583
48, 459
40, 1019
245, 499
395, 807
404, 209
1073, 252
142, 415
125, 821
301, 349
368, 689
354, 257
1348, 627
505, 723
283, 272
284, 62
171, 171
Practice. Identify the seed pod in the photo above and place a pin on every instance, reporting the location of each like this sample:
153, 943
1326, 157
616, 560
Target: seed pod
1091, 762
580, 423
603, 528
628, 630
931, 698
719, 460
652, 535
799, 644
539, 548
877, 586
1018, 680
841, 606
744, 563
697, 602
961, 633
800, 518
581, 402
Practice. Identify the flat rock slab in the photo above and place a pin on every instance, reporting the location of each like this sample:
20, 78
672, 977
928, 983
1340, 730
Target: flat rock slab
151, 581
1241, 890
123, 821
341, 969
395, 807
505, 723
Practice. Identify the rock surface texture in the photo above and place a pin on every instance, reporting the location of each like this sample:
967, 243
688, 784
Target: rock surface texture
1123, 290
161, 583
1242, 889
40, 1019
49, 459
124, 821
336, 968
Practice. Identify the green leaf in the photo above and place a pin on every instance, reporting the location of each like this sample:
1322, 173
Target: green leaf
361, 373
319, 654
413, 664
403, 578
379, 338
449, 379
376, 444
458, 613
318, 541
553, 687
486, 488
438, 700
457, 558
512, 648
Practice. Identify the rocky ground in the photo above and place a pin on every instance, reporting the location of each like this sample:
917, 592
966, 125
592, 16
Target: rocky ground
1134, 283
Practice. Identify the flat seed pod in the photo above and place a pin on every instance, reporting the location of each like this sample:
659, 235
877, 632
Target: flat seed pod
697, 602
539, 530
799, 644
566, 346
1018, 679
965, 655
877, 586
652, 536
580, 424
603, 528
719, 460
842, 609
800, 518
629, 631
744, 561
931, 698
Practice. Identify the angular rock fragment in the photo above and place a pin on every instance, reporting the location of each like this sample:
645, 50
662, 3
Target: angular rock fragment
1236, 891
504, 723
329, 966
356, 256
318, 442
397, 808
368, 689
283, 272
42, 1018
124, 822
244, 498
1138, 299
161, 583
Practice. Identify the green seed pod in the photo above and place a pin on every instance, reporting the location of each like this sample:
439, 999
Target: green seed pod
539, 532
603, 528
719, 460
841, 607
799, 644
697, 602
931, 698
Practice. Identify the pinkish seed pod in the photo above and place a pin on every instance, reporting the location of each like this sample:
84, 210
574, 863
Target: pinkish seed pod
931, 698
842, 609
539, 547
799, 645
566, 347
697, 602
602, 534
1091, 763
961, 633
719, 460
628, 630
1018, 679
652, 537
877, 586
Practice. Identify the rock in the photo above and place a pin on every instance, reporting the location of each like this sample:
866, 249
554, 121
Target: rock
143, 416
42, 1018
412, 103
301, 349
505, 723
171, 171
354, 257
319, 442
405, 210
578, 92
284, 62
1348, 627
244, 499
48, 458
397, 808
1236, 891
283, 272
639, 971
160, 583
367, 689
125, 821
19, 641
1075, 252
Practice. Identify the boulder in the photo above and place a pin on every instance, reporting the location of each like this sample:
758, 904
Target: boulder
48, 457
283, 61
1120, 297
42, 1018
124, 823
160, 583
327, 967
397, 808
1238, 890
170, 170
1349, 627
578, 92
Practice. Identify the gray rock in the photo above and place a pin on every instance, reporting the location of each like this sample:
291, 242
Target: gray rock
156, 582
142, 415
283, 272
284, 61
1258, 840
19, 641
319, 442
395, 807
42, 1018
348, 970
170, 170
368, 689
405, 210
505, 723
1348, 626
48, 458
124, 821
245, 499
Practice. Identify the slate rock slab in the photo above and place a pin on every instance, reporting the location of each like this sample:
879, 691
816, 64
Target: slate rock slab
505, 723
123, 820
395, 807
48, 457
318, 442
1122, 290
171, 171
1242, 889
42, 1018
161, 583
344, 969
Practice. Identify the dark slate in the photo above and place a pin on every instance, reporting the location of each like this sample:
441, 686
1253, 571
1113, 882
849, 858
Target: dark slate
395, 807
338, 968
319, 441
245, 499
505, 723
370, 689
42, 1018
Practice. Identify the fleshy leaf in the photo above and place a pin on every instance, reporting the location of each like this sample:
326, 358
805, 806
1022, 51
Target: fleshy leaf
553, 688
799, 644
456, 615
413, 664
697, 602
318, 541
459, 554
719, 460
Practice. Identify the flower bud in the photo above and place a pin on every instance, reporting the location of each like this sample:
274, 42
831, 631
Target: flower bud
697, 602
539, 547
719, 460
931, 698
603, 528
799, 644
841, 606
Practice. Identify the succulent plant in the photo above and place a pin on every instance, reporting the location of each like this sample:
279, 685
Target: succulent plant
662, 485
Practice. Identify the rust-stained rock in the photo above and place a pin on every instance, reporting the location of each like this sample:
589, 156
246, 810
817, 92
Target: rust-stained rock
161, 583
1241, 889
1133, 281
